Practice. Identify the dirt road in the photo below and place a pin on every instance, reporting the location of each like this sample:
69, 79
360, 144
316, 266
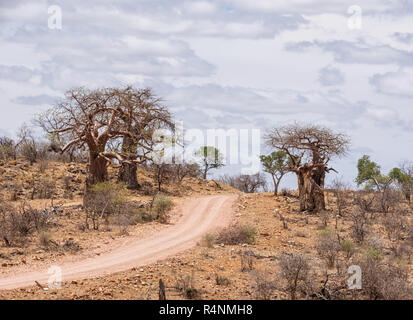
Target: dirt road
197, 216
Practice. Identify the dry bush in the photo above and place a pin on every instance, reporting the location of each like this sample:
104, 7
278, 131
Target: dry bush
17, 224
247, 261
264, 284
182, 170
395, 226
365, 200
360, 225
186, 286
7, 149
294, 273
237, 234
71, 245
45, 188
383, 280
340, 191
43, 165
221, 280
161, 206
44, 238
102, 200
324, 216
209, 240
328, 247
245, 183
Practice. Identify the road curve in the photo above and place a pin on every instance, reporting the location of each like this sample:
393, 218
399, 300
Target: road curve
198, 216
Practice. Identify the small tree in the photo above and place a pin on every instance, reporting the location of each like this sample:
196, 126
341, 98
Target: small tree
7, 148
275, 164
370, 175
404, 180
210, 158
245, 183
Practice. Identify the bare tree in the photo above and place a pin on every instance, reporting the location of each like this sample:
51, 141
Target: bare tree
141, 114
93, 118
244, 182
310, 149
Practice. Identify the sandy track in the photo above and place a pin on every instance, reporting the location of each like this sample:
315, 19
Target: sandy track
198, 216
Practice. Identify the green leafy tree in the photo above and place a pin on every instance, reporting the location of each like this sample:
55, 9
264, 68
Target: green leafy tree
210, 158
369, 174
275, 164
403, 180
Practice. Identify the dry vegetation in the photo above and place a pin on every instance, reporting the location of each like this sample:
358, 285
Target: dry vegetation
274, 251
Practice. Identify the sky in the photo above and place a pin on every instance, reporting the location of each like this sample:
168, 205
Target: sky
227, 64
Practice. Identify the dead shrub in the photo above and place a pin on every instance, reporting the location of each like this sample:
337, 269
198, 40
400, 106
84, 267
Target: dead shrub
247, 261
71, 245
395, 226
264, 284
186, 286
328, 247
43, 165
360, 224
221, 280
237, 234
209, 240
383, 280
102, 200
17, 224
365, 200
44, 238
294, 273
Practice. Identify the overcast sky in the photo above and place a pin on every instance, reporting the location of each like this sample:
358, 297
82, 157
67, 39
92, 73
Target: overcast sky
225, 64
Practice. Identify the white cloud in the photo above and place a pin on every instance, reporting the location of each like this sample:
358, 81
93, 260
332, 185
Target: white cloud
395, 83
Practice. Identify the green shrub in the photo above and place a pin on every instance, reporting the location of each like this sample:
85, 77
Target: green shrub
348, 247
161, 206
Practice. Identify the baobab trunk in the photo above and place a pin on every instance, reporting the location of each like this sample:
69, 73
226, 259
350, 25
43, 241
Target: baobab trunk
128, 175
97, 169
128, 171
311, 189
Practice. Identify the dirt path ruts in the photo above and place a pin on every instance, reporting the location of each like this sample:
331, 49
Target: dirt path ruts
198, 216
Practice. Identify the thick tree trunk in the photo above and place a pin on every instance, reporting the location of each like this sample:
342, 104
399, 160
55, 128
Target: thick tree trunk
311, 189
128, 175
128, 171
97, 170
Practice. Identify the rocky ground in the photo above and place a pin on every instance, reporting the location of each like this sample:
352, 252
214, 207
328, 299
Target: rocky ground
214, 270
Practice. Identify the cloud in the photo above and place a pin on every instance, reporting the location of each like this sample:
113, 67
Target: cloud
404, 37
398, 83
330, 76
360, 52
16, 73
42, 99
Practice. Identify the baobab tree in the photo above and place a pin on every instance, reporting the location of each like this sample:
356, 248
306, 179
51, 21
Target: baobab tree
141, 114
310, 149
93, 119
